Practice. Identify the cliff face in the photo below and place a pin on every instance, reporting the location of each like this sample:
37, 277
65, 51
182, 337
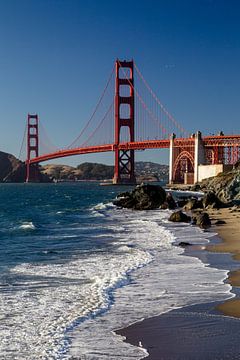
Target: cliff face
11, 168
14, 170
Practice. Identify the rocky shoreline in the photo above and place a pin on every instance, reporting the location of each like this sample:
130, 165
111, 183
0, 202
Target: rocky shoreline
219, 192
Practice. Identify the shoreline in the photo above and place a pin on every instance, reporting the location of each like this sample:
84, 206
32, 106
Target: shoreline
230, 235
189, 326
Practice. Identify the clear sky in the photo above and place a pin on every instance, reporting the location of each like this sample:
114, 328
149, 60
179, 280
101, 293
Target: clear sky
56, 56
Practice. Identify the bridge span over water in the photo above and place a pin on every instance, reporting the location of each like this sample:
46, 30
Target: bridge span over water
129, 117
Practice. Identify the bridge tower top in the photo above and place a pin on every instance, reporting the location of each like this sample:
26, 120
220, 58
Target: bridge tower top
32, 141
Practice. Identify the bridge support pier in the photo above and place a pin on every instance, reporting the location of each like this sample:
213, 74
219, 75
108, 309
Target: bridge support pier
32, 148
184, 159
199, 155
171, 158
124, 159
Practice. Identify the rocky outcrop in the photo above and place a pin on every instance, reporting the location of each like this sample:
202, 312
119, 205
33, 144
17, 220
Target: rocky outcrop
179, 216
8, 163
202, 220
193, 204
226, 186
211, 200
143, 197
14, 170
170, 202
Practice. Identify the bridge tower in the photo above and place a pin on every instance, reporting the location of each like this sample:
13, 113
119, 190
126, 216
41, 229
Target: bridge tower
124, 159
32, 147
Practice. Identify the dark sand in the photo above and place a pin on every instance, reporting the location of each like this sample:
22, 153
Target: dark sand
187, 334
199, 332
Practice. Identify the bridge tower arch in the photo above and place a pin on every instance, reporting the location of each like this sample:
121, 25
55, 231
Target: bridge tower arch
124, 159
32, 147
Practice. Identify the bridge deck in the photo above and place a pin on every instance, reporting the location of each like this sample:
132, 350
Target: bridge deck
224, 140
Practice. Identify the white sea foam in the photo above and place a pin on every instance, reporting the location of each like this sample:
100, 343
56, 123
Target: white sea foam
168, 282
103, 206
79, 290
27, 225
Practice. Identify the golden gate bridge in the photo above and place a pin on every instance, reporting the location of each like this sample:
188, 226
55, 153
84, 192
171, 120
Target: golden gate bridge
128, 117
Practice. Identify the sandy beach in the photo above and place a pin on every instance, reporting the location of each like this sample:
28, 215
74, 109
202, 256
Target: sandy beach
204, 331
230, 234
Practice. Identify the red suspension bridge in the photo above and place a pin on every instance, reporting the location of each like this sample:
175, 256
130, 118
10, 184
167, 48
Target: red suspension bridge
128, 117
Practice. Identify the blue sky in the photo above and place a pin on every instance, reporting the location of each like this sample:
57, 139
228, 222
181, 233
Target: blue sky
56, 56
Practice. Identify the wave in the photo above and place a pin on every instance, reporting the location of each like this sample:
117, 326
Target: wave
169, 281
139, 273
27, 225
67, 295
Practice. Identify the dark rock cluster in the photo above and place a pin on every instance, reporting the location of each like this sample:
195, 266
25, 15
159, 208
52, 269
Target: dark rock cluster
201, 219
209, 200
149, 197
226, 186
143, 197
179, 216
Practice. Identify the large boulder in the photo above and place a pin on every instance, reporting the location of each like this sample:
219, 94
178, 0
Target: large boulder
179, 216
202, 220
143, 197
170, 202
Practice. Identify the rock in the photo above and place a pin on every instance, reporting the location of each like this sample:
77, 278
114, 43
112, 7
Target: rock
143, 197
179, 216
210, 199
237, 165
184, 244
220, 222
202, 220
226, 185
193, 204
171, 202
196, 187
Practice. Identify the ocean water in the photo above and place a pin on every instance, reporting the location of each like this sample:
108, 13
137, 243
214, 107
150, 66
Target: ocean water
74, 268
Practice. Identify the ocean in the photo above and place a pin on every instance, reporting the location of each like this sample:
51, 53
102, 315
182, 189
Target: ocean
74, 268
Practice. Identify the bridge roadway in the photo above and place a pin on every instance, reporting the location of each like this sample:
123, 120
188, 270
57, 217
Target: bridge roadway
213, 140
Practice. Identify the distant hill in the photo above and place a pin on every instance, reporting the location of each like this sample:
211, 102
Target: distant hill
93, 171
14, 170
145, 169
8, 164
85, 171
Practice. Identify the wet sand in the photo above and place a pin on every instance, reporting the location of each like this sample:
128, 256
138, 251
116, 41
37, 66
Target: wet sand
199, 331
230, 234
